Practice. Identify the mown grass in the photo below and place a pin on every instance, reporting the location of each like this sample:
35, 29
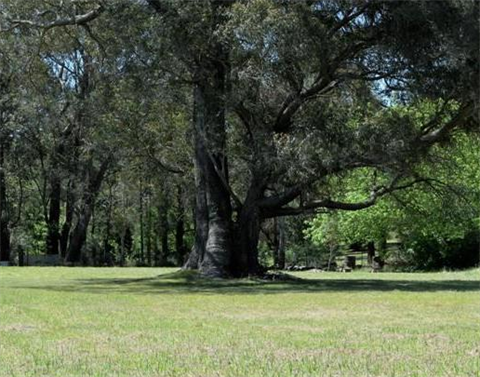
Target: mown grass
157, 322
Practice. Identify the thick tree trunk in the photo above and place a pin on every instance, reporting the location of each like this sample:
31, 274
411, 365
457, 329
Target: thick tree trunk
201, 211
217, 254
213, 212
370, 252
4, 242
78, 236
4, 221
247, 232
53, 224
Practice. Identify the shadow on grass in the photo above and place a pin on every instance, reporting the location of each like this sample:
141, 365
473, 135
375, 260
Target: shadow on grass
187, 282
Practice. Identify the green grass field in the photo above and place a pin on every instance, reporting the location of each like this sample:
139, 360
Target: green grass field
155, 322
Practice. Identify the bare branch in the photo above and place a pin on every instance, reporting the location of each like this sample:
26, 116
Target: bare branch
296, 100
326, 81
82, 19
351, 16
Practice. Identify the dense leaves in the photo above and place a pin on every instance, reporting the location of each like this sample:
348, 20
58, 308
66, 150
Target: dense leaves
284, 108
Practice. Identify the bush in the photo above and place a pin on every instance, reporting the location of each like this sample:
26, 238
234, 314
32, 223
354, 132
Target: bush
428, 253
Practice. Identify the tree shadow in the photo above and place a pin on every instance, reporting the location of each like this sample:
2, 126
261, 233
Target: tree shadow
186, 282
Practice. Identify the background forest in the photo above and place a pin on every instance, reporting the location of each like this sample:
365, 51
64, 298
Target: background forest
329, 126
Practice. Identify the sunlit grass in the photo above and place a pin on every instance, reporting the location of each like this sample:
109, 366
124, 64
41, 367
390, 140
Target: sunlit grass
157, 322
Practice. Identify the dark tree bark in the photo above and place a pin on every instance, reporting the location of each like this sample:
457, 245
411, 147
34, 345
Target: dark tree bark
247, 231
200, 214
79, 232
8, 108
245, 246
216, 258
211, 161
212, 249
53, 223
370, 252
4, 221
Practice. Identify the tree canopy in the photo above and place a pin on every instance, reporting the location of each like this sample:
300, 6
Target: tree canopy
203, 120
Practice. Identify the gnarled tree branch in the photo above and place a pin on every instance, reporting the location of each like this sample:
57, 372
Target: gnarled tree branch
315, 206
82, 19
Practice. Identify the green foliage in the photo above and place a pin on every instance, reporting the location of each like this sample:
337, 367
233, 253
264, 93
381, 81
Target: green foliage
425, 252
435, 219
34, 242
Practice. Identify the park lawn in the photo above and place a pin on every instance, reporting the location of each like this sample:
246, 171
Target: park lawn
136, 322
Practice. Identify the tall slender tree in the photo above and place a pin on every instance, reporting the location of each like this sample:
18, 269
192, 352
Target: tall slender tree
8, 107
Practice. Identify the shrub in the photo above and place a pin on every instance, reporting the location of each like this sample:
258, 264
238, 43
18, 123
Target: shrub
429, 253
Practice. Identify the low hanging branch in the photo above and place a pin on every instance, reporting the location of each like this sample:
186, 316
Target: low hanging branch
433, 132
325, 204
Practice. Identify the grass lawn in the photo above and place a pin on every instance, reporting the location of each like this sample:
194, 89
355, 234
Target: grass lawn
136, 322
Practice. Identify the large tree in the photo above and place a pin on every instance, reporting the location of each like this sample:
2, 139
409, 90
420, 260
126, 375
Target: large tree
298, 82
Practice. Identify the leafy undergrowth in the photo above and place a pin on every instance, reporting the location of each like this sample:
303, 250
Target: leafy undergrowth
161, 322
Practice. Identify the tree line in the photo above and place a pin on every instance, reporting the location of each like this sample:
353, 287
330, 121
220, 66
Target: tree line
190, 128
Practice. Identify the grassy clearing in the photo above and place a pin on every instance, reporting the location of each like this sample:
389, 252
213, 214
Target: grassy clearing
155, 322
